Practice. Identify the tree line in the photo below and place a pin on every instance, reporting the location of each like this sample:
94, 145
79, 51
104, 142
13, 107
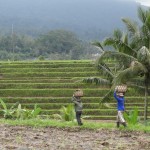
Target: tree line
55, 44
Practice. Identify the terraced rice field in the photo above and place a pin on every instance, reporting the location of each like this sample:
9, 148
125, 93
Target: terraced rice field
51, 84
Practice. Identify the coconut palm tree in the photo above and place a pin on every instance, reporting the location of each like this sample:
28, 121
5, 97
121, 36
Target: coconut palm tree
140, 35
132, 52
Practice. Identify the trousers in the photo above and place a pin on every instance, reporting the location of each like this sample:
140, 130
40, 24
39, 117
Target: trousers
120, 117
78, 117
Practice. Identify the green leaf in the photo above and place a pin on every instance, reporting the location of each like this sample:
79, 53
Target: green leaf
3, 104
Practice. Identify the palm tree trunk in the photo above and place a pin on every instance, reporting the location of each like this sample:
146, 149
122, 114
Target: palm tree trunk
146, 101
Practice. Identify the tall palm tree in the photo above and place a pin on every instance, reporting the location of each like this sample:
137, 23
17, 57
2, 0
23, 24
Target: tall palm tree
132, 51
140, 35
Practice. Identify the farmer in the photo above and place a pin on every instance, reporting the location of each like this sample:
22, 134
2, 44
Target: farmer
78, 108
120, 107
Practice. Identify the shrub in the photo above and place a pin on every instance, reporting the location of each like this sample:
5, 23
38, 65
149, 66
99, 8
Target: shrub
132, 117
66, 113
41, 58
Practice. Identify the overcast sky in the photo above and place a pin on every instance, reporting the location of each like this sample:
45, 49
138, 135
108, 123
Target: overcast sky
144, 2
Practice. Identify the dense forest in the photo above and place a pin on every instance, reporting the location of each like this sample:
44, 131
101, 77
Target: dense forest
54, 29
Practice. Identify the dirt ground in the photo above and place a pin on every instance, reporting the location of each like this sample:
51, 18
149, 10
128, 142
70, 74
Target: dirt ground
29, 138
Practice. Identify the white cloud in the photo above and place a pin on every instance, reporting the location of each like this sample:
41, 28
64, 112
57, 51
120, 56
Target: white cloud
144, 2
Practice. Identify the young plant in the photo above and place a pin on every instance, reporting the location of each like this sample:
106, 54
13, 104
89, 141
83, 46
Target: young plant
35, 112
19, 112
26, 113
67, 113
8, 113
132, 117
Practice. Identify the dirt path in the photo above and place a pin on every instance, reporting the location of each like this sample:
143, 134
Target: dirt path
28, 138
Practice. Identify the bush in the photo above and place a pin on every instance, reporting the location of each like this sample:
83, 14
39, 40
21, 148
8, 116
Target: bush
41, 58
132, 116
66, 113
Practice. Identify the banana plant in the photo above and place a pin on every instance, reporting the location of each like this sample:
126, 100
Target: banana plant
17, 112
67, 113
132, 117
23, 113
8, 113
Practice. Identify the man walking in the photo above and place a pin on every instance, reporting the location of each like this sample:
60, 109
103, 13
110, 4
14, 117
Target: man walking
120, 107
78, 108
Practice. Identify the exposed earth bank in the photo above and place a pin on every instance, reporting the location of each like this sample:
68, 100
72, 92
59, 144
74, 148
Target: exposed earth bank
29, 138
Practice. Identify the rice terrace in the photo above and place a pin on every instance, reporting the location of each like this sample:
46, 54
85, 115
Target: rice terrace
75, 75
50, 85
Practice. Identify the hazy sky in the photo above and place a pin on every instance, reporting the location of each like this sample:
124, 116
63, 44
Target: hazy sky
144, 2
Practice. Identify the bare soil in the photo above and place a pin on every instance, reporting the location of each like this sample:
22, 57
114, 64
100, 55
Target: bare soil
29, 138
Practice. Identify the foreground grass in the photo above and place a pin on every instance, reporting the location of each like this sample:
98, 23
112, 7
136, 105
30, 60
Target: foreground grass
62, 124
56, 123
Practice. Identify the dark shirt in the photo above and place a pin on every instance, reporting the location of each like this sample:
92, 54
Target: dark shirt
77, 103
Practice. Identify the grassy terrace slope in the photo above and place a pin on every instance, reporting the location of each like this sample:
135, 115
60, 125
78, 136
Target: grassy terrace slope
50, 84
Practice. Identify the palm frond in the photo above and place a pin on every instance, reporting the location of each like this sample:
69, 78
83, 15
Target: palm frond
101, 58
107, 98
124, 47
120, 45
106, 70
136, 69
142, 14
109, 42
137, 86
145, 31
136, 42
125, 38
122, 77
121, 61
139, 81
115, 55
131, 26
95, 80
147, 23
97, 44
144, 55
117, 34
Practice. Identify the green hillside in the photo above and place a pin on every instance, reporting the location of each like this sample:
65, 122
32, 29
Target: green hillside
51, 84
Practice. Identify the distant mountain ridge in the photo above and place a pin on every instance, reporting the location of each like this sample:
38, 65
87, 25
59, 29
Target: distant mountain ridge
88, 18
